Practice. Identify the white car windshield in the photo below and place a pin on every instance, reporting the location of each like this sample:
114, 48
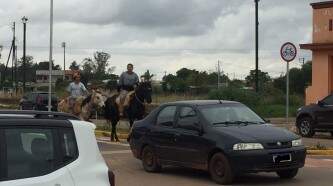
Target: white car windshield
230, 114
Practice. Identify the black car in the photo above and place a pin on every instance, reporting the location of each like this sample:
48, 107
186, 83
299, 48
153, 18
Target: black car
226, 138
316, 117
38, 101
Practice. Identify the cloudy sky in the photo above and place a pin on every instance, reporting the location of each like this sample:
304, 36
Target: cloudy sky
162, 35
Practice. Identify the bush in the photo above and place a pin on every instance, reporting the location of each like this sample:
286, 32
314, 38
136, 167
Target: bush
268, 104
247, 97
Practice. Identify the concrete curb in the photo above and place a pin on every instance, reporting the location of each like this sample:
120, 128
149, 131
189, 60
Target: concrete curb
320, 152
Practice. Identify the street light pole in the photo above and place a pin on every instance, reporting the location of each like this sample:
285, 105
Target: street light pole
64, 46
257, 45
24, 21
0, 50
50, 56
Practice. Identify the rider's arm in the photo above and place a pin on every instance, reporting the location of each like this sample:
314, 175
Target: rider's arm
121, 82
68, 91
137, 81
84, 89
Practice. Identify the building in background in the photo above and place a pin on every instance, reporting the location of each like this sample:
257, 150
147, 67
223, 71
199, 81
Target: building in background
42, 77
322, 52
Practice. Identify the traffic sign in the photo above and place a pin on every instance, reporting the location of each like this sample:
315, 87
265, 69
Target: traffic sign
288, 52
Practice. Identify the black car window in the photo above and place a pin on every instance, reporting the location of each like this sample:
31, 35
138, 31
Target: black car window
68, 145
29, 153
328, 100
166, 116
186, 112
188, 119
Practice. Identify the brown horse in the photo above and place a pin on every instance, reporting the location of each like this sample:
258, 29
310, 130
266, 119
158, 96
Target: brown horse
83, 106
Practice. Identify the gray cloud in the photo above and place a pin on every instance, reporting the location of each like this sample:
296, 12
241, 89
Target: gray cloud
163, 34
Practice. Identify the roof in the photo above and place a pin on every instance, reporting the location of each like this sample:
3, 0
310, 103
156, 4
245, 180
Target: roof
320, 5
47, 72
317, 46
202, 102
36, 115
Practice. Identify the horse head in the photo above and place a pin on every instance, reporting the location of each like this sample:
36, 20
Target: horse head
98, 99
144, 90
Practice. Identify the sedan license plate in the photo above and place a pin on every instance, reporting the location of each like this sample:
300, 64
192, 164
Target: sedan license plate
280, 158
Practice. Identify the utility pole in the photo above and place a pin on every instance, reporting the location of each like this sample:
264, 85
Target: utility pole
24, 21
63, 44
14, 54
50, 56
257, 45
218, 74
16, 80
0, 50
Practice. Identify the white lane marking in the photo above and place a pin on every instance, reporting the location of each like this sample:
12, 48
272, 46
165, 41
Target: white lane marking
114, 143
116, 152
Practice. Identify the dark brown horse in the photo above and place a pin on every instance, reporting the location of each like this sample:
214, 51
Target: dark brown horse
134, 111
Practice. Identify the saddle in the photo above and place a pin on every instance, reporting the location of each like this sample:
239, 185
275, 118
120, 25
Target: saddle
72, 106
123, 100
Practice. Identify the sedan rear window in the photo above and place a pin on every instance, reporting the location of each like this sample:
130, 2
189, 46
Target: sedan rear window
230, 114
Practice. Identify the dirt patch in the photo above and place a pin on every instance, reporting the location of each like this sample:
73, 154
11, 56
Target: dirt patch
9, 101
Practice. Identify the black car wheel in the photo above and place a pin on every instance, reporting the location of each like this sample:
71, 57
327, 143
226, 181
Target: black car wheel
332, 134
305, 127
149, 160
220, 170
287, 174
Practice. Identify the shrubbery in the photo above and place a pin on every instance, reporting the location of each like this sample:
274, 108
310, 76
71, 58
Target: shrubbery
268, 104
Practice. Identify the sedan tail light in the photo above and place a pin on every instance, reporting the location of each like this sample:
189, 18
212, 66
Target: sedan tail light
111, 178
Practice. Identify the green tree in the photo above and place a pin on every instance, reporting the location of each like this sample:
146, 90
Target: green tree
299, 79
263, 79
44, 65
96, 69
74, 66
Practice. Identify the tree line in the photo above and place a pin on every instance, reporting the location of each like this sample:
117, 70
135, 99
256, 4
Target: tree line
186, 79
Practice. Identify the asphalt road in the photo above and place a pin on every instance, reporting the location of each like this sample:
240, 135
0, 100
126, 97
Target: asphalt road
129, 172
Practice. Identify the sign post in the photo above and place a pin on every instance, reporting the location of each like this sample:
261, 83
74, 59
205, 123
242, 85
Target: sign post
288, 53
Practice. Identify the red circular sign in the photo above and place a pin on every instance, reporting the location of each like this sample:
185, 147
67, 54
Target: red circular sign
288, 52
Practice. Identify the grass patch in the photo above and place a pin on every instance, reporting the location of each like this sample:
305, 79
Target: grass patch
275, 111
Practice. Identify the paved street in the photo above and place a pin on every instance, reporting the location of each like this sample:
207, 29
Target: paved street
128, 171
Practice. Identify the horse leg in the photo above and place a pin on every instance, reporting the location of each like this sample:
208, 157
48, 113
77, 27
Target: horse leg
114, 130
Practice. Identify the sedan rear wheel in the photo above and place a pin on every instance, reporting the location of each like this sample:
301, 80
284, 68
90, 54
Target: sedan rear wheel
305, 127
287, 174
220, 170
149, 160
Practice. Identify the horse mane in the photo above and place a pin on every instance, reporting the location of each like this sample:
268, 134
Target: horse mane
86, 100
